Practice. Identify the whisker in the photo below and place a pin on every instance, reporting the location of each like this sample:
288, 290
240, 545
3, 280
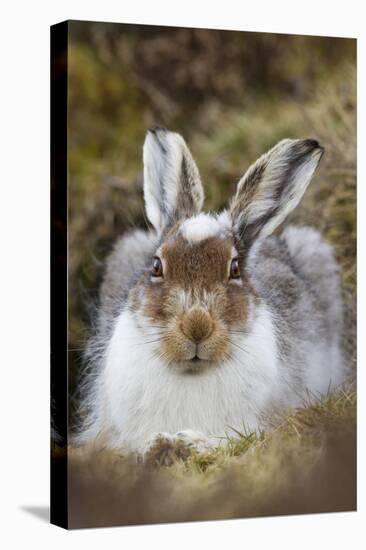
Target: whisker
163, 356
237, 345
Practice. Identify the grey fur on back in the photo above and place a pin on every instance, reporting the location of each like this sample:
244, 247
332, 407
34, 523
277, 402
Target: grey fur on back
131, 255
296, 275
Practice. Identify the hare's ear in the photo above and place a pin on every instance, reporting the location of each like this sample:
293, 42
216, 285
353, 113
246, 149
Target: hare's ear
172, 184
273, 186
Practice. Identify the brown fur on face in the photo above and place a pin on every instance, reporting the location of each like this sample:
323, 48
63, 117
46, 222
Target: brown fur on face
195, 303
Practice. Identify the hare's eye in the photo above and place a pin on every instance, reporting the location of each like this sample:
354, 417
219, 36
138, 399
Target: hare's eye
157, 268
234, 269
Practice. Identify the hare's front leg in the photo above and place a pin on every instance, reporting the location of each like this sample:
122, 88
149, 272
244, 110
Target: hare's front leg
164, 449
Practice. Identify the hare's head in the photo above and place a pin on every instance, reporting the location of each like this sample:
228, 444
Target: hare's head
196, 290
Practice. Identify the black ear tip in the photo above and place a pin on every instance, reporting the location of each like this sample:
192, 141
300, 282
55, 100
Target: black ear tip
156, 129
313, 144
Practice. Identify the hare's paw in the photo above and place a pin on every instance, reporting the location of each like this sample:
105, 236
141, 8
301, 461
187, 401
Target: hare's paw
164, 449
196, 441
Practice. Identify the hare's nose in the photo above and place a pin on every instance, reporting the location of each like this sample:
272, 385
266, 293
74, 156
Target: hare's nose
197, 325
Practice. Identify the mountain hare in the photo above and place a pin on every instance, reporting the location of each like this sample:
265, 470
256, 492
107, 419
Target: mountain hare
207, 322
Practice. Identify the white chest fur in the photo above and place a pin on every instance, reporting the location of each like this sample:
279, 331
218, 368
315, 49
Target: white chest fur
139, 395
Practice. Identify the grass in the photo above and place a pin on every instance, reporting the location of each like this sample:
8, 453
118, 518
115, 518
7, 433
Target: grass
306, 424
305, 460
307, 464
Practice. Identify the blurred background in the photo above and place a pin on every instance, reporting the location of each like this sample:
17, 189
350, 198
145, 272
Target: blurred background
232, 95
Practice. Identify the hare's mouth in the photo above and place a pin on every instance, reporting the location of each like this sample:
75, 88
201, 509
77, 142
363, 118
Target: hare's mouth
188, 355
194, 365
197, 360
